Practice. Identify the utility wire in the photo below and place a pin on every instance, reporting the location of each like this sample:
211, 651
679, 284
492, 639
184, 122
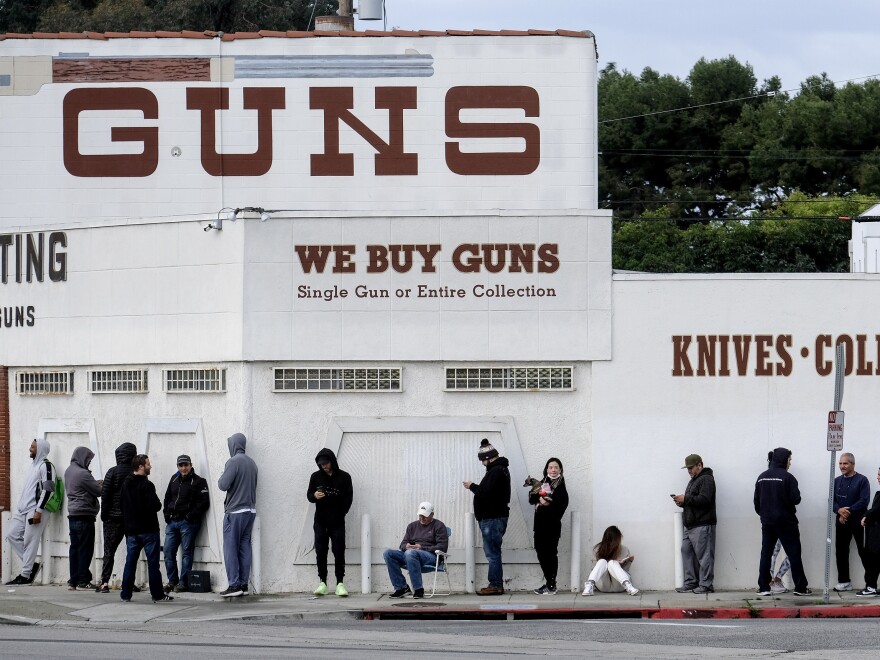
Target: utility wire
742, 98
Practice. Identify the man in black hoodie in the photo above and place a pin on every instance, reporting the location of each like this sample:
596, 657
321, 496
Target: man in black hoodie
111, 511
140, 508
491, 500
186, 500
331, 492
776, 497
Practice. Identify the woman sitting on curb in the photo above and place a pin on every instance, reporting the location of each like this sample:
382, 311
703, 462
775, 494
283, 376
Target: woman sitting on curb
612, 560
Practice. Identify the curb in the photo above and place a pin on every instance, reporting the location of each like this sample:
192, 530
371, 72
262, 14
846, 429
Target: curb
717, 613
12, 620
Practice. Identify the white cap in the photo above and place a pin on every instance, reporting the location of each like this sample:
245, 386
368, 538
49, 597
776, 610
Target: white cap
426, 509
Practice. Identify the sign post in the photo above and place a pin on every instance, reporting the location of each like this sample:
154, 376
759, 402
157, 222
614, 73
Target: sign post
835, 443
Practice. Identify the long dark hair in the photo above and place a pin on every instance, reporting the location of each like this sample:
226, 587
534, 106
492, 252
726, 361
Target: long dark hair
609, 546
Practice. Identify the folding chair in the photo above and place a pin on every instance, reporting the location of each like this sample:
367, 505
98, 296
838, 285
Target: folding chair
440, 567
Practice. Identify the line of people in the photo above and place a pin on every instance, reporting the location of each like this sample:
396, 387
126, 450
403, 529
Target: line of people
129, 507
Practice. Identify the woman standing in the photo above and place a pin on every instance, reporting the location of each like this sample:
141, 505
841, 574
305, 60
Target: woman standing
550, 505
612, 559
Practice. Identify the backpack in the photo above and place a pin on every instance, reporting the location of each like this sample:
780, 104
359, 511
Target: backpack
57, 499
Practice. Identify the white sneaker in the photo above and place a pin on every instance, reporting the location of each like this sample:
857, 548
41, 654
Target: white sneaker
843, 586
588, 588
630, 589
777, 587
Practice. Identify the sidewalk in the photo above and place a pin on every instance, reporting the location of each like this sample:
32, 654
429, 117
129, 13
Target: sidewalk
38, 605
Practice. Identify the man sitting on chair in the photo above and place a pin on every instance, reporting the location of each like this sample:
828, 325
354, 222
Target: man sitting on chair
421, 539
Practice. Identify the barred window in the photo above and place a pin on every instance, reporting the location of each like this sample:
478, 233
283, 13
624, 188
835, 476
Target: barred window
331, 379
44, 382
194, 380
119, 381
509, 379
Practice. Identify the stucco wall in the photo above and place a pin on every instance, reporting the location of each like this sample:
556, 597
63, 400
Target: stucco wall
646, 420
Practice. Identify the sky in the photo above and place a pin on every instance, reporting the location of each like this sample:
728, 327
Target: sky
788, 38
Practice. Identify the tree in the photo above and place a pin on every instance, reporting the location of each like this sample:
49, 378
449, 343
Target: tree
177, 15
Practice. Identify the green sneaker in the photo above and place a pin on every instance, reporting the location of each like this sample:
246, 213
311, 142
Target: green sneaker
322, 590
341, 590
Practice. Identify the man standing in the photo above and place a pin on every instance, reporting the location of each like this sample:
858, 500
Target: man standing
491, 500
26, 526
698, 544
186, 500
140, 509
239, 480
417, 549
331, 492
776, 498
871, 523
852, 494
111, 511
82, 508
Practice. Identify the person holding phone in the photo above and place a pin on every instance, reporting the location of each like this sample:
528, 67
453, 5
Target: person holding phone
613, 560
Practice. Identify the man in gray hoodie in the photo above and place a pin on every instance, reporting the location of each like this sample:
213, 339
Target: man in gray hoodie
28, 518
82, 507
239, 480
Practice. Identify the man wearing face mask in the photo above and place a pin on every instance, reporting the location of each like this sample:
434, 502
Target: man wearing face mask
186, 501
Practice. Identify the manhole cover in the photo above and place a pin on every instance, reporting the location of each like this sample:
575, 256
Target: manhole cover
417, 605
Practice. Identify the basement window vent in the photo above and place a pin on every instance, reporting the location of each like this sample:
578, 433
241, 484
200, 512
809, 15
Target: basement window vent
194, 380
509, 379
338, 380
44, 382
118, 381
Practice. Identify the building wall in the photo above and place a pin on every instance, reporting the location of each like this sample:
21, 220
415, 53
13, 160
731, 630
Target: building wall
646, 419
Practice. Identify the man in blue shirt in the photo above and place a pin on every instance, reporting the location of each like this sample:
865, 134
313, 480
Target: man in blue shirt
852, 494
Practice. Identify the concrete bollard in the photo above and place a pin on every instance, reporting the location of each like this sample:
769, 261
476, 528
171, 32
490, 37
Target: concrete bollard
470, 564
366, 558
678, 536
256, 552
6, 568
575, 551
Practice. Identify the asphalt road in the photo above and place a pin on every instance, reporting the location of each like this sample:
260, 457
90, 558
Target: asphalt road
280, 638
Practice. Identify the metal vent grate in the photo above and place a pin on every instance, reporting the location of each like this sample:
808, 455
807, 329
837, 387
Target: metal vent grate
318, 379
194, 380
119, 381
509, 379
44, 382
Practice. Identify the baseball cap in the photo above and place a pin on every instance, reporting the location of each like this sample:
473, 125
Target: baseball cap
426, 509
183, 458
691, 461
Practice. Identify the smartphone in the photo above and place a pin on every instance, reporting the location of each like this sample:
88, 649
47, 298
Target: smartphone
671, 494
30, 521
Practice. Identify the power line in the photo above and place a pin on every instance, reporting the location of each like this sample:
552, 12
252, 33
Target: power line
742, 98
753, 218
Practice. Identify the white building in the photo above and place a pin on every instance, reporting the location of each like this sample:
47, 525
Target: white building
432, 270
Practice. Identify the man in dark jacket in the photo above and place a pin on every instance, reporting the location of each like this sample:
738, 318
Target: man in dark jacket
871, 523
239, 481
82, 507
421, 540
491, 500
331, 492
698, 544
111, 511
186, 500
140, 510
776, 498
852, 493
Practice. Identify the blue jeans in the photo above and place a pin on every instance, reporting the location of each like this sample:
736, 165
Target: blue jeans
237, 554
413, 561
493, 533
82, 548
149, 543
179, 534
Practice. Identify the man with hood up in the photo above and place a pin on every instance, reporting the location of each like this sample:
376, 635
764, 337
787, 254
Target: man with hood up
776, 497
111, 511
331, 492
239, 480
28, 518
492, 510
82, 507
